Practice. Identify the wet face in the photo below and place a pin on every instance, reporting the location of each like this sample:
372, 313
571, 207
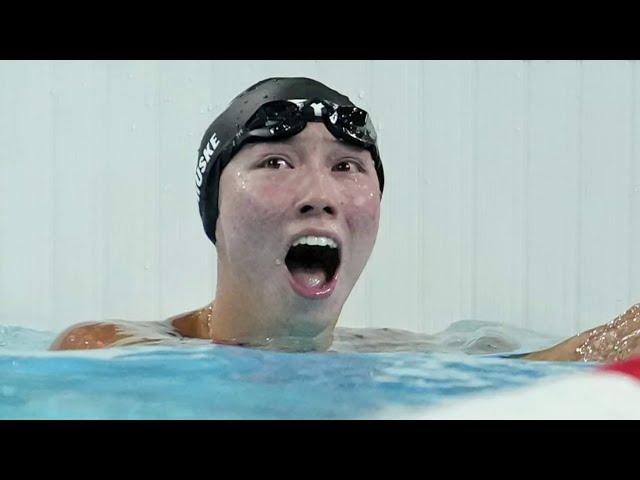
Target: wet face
298, 220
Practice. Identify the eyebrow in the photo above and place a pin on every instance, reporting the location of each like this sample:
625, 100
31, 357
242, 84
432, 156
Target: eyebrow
291, 142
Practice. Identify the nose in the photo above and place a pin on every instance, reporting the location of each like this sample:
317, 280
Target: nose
310, 208
320, 197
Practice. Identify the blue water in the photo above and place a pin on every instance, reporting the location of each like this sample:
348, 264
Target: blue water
194, 380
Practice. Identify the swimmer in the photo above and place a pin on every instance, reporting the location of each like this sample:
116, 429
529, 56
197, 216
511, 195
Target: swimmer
289, 182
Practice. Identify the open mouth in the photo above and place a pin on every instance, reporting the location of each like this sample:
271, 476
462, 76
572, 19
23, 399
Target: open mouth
313, 263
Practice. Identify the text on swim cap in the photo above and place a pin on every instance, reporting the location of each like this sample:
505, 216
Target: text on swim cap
204, 159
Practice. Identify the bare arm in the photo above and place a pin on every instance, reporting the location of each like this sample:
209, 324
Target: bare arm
616, 340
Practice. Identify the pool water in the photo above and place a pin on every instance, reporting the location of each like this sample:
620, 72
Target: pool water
367, 371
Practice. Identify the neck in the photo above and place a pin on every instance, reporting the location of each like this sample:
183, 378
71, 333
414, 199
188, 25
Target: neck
239, 319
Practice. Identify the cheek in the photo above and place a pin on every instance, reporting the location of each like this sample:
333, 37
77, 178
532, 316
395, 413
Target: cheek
250, 208
363, 212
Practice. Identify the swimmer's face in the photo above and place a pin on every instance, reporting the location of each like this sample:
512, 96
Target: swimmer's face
274, 193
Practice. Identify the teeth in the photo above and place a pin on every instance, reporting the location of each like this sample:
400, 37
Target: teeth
320, 241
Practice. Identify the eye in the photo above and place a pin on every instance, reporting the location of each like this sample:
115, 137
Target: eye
348, 166
276, 163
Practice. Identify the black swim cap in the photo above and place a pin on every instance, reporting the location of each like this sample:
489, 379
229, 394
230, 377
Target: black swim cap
227, 134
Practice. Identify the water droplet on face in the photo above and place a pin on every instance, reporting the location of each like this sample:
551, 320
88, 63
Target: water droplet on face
371, 195
278, 261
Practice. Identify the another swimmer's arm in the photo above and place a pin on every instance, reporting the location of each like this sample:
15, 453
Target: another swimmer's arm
565, 351
86, 336
617, 340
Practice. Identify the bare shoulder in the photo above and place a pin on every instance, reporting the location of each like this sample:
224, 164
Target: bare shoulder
92, 335
89, 335
192, 324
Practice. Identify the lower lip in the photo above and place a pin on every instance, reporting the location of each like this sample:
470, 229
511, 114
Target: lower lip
320, 292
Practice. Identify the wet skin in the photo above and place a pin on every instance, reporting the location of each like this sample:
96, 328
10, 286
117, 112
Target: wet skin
269, 194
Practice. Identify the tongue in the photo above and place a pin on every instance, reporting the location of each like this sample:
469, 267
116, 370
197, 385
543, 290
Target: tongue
311, 277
